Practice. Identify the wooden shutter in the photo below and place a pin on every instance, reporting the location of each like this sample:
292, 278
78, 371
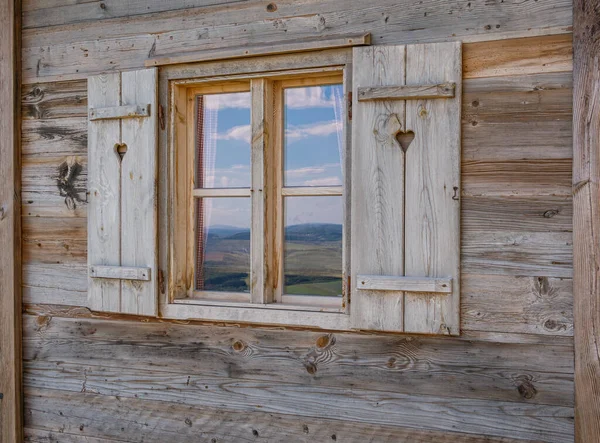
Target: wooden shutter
122, 168
406, 188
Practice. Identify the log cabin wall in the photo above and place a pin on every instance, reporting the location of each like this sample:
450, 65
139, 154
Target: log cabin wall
508, 377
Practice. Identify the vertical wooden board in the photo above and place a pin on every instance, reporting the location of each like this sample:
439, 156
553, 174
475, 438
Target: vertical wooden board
138, 192
432, 211
104, 236
377, 188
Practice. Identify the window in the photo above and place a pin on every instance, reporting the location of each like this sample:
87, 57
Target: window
261, 170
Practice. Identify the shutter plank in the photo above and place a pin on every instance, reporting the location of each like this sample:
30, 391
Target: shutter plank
138, 198
104, 237
432, 219
377, 185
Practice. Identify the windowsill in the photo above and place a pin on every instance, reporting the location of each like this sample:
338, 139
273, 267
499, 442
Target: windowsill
294, 303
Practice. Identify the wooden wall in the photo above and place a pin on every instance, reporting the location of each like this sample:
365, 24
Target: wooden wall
91, 377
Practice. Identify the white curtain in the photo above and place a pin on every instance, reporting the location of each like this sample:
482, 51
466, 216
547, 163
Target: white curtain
338, 96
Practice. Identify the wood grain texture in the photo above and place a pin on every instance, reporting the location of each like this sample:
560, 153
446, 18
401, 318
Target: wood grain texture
377, 188
432, 189
11, 421
125, 43
479, 369
104, 186
586, 217
53, 100
155, 422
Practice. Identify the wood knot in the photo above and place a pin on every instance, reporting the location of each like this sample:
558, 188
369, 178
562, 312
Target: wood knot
527, 390
550, 213
391, 362
255, 432
554, 325
311, 368
238, 346
188, 422
271, 7
325, 341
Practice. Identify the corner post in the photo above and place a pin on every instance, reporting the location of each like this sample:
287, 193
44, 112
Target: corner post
11, 423
586, 217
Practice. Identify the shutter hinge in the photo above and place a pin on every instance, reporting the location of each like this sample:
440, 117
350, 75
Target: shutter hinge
350, 105
161, 117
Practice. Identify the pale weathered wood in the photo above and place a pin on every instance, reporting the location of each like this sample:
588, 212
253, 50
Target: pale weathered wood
125, 43
222, 192
139, 225
11, 421
586, 218
52, 100
407, 92
125, 111
377, 188
120, 272
432, 189
312, 190
407, 284
156, 422
104, 199
263, 49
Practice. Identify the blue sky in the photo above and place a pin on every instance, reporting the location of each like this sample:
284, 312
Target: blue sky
311, 153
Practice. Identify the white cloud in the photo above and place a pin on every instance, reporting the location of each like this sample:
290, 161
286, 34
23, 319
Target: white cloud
325, 181
299, 172
242, 133
310, 97
321, 129
235, 100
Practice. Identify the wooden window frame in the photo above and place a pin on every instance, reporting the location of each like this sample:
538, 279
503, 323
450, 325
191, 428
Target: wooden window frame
266, 303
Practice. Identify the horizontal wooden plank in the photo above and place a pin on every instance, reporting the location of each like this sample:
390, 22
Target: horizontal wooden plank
531, 305
300, 191
540, 177
505, 419
53, 137
407, 284
88, 417
125, 43
119, 112
387, 363
407, 92
55, 228
517, 57
221, 192
515, 213
54, 100
48, 202
272, 48
120, 272
518, 253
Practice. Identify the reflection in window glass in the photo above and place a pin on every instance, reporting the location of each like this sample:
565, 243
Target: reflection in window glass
223, 244
223, 140
313, 141
313, 246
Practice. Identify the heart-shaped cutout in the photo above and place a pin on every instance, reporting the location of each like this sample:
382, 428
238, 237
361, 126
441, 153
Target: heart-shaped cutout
405, 139
121, 149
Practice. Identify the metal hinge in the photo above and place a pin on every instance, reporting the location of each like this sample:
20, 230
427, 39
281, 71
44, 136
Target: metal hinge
350, 105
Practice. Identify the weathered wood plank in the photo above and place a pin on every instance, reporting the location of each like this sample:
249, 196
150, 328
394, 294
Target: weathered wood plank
515, 213
54, 137
124, 43
543, 177
514, 57
530, 305
432, 201
407, 92
586, 220
11, 421
377, 188
478, 369
505, 419
120, 272
411, 284
119, 112
518, 253
88, 417
54, 100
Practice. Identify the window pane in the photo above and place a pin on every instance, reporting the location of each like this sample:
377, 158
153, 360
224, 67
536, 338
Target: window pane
223, 140
313, 246
313, 140
223, 244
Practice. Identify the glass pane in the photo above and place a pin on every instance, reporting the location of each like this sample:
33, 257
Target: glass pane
223, 140
223, 244
313, 246
313, 140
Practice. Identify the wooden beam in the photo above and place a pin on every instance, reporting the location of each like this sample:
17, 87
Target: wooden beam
404, 92
269, 49
11, 413
586, 217
408, 284
120, 272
